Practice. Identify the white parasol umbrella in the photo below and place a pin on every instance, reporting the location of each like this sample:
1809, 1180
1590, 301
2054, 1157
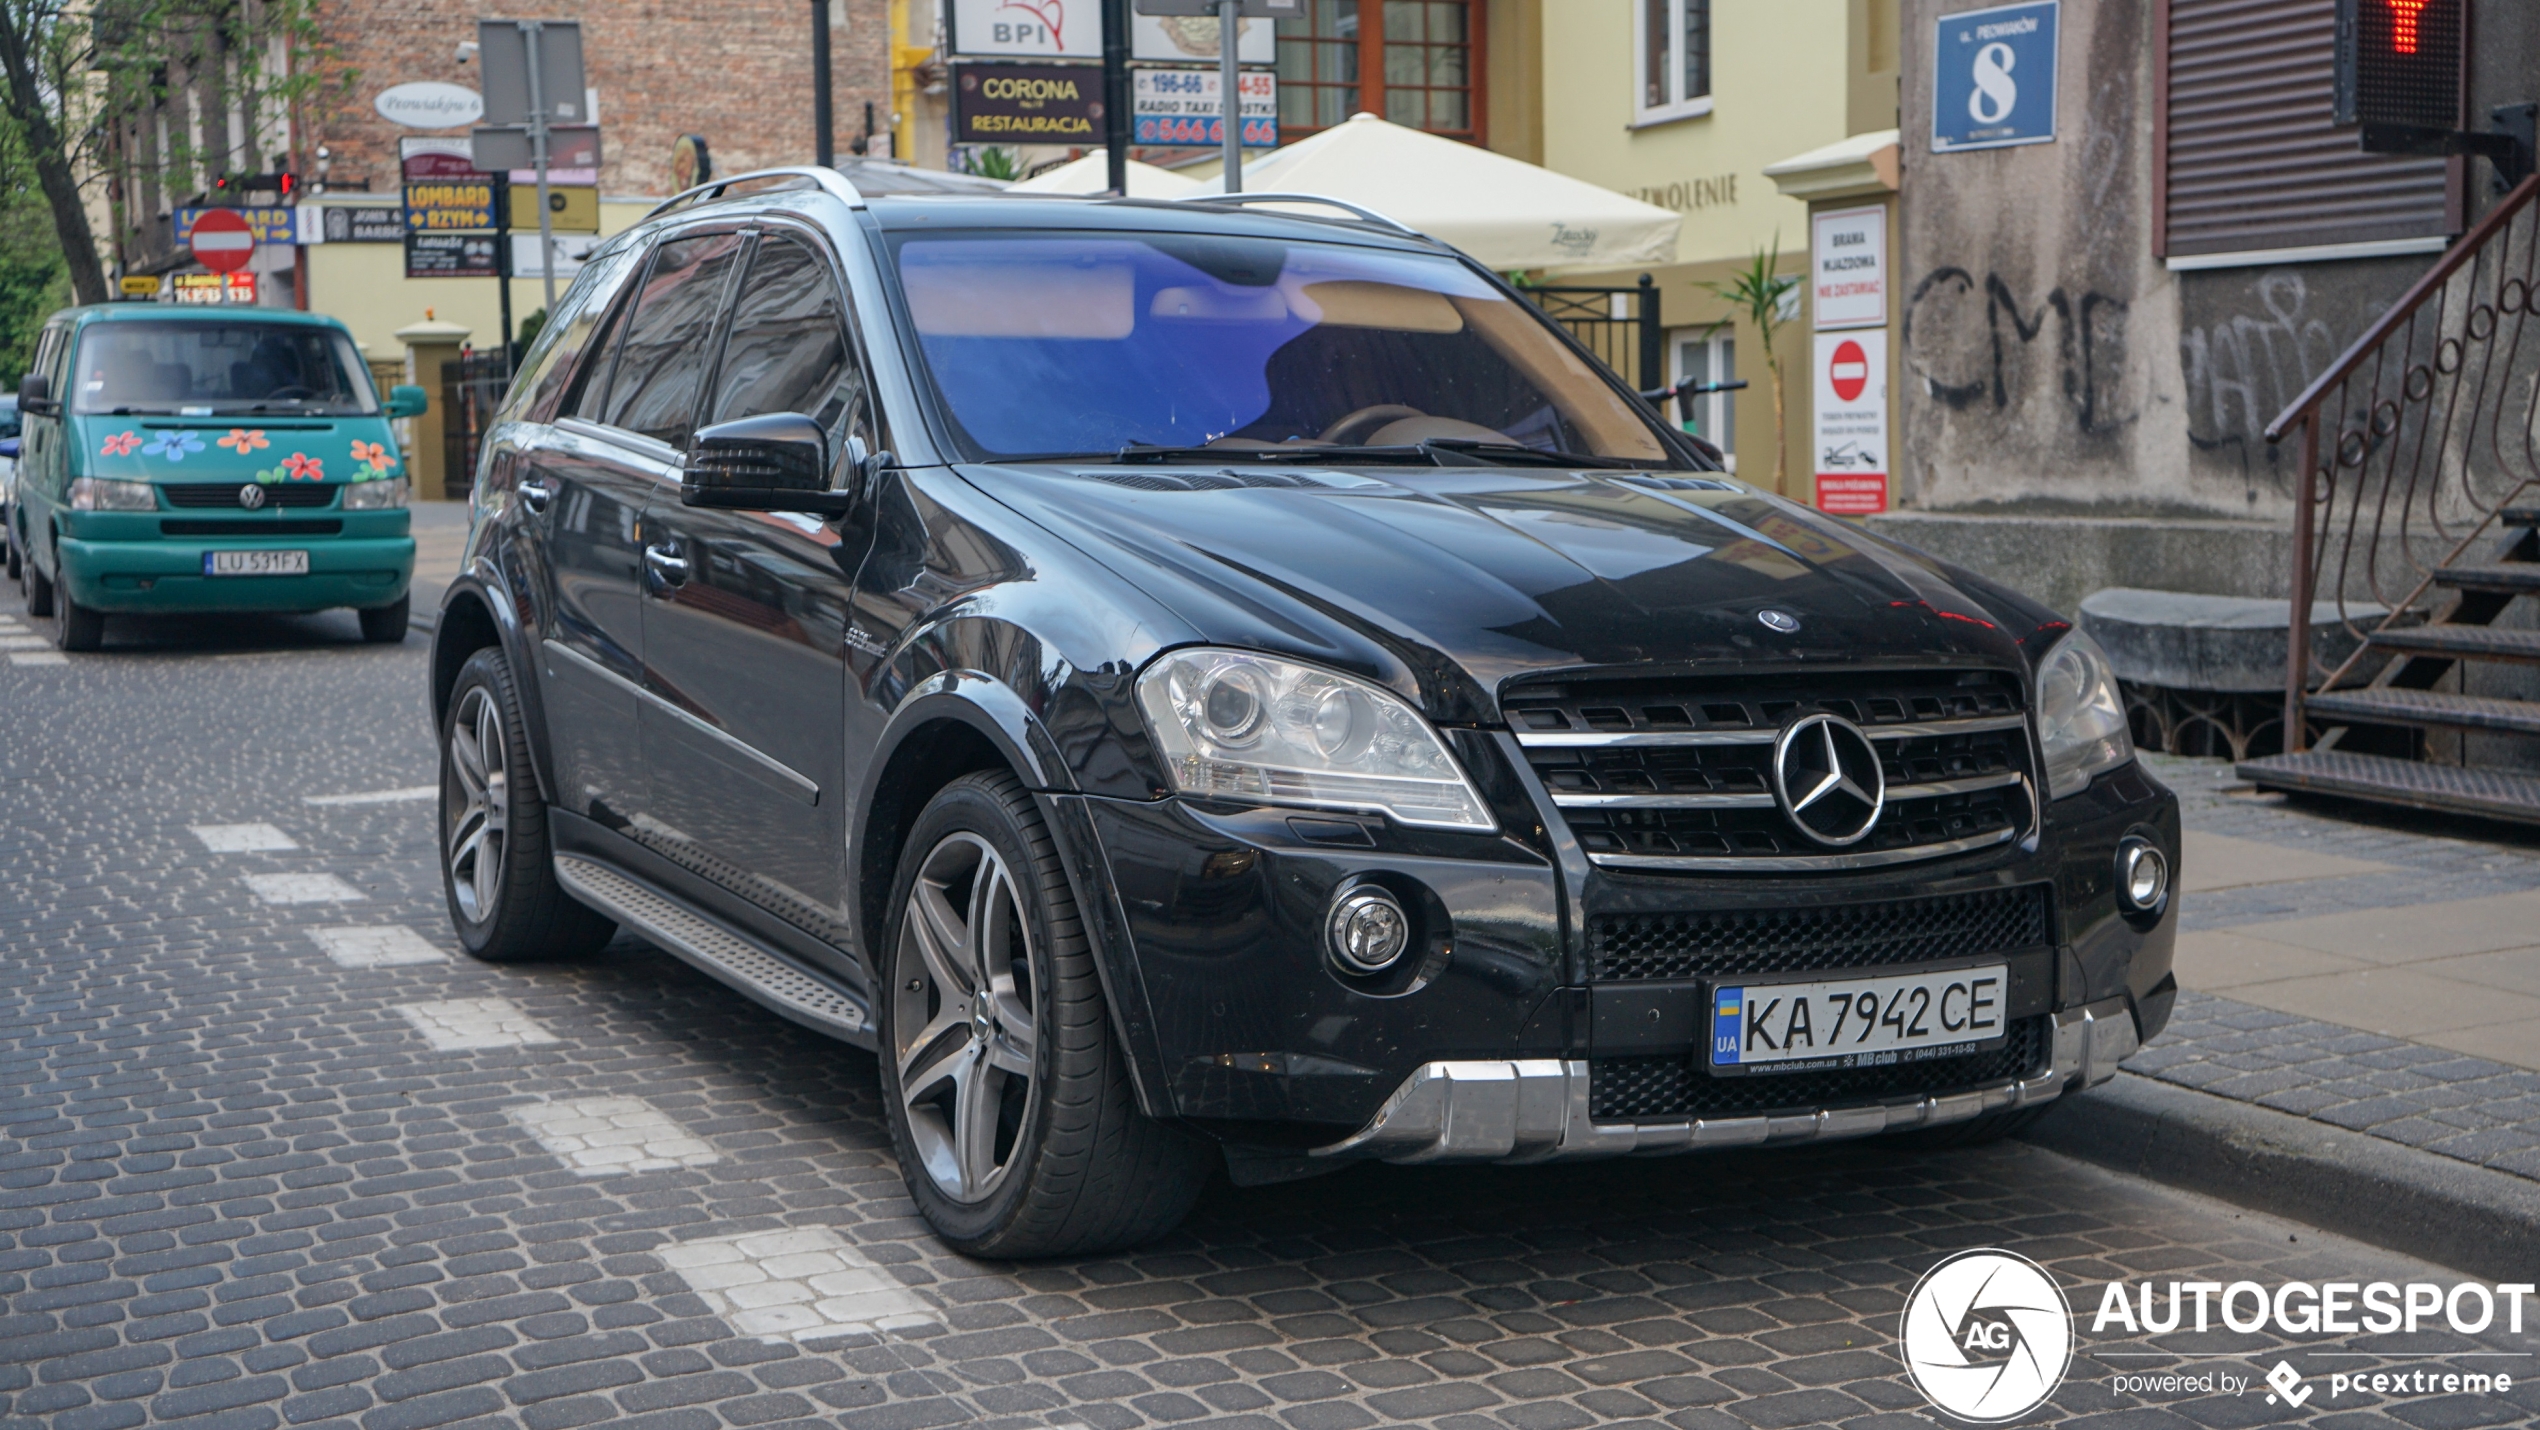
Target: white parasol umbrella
1505, 212
1092, 175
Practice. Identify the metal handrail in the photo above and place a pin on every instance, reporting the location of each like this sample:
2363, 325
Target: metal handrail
829, 179
2431, 368
2450, 263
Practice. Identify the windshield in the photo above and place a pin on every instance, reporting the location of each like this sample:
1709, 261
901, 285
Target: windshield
220, 367
1082, 344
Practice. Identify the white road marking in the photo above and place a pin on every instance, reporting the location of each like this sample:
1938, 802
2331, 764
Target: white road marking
375, 945
303, 889
241, 838
38, 657
14, 640
376, 796
474, 1023
802, 1283
603, 1136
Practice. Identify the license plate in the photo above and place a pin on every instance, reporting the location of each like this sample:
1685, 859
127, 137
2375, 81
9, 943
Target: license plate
1856, 1022
255, 563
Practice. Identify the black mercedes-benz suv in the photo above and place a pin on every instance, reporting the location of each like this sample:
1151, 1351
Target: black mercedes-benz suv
1229, 683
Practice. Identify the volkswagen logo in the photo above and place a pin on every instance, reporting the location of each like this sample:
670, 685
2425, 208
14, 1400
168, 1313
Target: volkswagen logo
1782, 621
1826, 777
1987, 1335
251, 496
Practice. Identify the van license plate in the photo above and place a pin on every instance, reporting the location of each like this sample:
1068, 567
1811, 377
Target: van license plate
255, 563
1856, 1022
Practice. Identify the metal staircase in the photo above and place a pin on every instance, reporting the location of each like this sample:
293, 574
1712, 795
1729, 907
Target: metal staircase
2421, 494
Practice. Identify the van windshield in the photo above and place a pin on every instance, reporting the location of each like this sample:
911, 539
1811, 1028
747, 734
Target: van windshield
1082, 344
214, 368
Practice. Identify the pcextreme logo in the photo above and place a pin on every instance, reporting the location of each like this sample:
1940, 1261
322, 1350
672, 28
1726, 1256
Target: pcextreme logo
1987, 1336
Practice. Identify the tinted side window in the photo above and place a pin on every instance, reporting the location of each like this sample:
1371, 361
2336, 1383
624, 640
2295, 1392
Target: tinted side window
538, 391
788, 351
661, 360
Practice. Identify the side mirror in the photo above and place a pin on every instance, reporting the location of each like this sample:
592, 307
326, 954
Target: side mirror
868, 466
778, 462
35, 393
406, 400
8, 446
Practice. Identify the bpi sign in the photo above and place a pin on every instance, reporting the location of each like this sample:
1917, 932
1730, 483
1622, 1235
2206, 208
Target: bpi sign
1851, 422
1993, 82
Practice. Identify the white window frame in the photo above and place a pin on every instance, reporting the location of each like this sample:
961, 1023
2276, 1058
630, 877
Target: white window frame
1677, 107
1711, 410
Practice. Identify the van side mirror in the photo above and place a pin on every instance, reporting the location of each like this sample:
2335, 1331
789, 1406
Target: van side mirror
35, 393
777, 462
406, 400
8, 446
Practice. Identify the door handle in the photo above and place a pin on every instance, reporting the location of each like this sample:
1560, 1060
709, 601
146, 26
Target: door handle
667, 566
537, 494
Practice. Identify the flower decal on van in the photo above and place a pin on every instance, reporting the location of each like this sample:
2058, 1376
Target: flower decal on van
373, 455
304, 468
120, 444
245, 441
173, 445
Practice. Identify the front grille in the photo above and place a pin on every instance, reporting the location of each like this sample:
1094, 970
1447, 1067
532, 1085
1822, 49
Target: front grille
1672, 1087
196, 495
1746, 943
322, 526
1676, 775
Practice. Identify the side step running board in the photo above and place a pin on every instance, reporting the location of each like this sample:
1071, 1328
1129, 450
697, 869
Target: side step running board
782, 984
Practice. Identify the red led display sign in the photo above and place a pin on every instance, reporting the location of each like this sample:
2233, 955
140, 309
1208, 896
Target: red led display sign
2399, 62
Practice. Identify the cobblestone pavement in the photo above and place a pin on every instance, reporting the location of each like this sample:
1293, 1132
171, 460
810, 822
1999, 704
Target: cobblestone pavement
2410, 1092
270, 1153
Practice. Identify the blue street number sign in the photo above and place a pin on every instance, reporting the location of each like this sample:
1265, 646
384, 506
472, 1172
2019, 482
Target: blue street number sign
1994, 82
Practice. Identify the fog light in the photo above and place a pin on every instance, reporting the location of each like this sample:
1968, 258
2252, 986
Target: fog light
2143, 876
1368, 930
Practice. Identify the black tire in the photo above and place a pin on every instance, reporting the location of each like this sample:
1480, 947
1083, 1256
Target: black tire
1974, 1132
385, 625
39, 592
76, 627
496, 867
1070, 1166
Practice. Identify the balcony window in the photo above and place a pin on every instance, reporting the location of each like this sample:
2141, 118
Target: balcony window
1416, 62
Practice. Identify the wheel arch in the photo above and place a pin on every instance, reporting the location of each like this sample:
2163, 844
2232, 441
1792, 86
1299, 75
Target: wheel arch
957, 723
477, 612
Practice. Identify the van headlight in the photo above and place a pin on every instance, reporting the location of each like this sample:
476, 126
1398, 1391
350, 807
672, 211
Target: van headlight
1232, 725
376, 496
2080, 715
107, 494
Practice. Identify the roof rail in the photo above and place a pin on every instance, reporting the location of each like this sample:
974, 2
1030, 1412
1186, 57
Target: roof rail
1364, 214
830, 179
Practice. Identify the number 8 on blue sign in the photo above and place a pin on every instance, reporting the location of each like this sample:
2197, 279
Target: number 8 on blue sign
1993, 81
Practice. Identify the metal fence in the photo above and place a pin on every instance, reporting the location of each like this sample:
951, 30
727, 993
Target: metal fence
471, 389
1622, 326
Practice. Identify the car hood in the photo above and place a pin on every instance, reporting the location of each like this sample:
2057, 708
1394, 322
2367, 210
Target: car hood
1447, 583
202, 449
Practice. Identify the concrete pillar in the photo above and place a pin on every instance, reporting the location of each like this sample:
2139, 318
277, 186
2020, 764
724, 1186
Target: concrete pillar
431, 345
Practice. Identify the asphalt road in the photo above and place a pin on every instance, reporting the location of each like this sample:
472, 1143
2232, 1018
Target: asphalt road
271, 1152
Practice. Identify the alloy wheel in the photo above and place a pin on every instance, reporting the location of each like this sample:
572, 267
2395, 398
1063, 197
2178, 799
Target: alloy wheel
477, 798
962, 1018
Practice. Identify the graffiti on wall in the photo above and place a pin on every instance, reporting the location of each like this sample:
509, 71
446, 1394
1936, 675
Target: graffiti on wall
2242, 368
1978, 344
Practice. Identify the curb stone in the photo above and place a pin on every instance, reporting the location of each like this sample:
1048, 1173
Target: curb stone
2450, 1212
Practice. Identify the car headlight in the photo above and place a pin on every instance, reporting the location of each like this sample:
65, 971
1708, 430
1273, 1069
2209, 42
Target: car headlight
1248, 727
2080, 716
385, 495
106, 494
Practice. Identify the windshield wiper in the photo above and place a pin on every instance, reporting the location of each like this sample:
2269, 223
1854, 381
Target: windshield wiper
1322, 456
1505, 453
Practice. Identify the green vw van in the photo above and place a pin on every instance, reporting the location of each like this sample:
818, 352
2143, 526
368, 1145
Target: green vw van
211, 459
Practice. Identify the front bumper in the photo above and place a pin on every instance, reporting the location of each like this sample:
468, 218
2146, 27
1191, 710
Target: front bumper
1536, 1110
166, 576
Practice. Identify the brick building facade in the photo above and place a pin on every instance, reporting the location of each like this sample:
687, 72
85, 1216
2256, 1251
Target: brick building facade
738, 73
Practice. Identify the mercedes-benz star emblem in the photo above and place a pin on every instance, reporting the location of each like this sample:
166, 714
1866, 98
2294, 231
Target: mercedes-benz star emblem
251, 496
1827, 778
1782, 621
